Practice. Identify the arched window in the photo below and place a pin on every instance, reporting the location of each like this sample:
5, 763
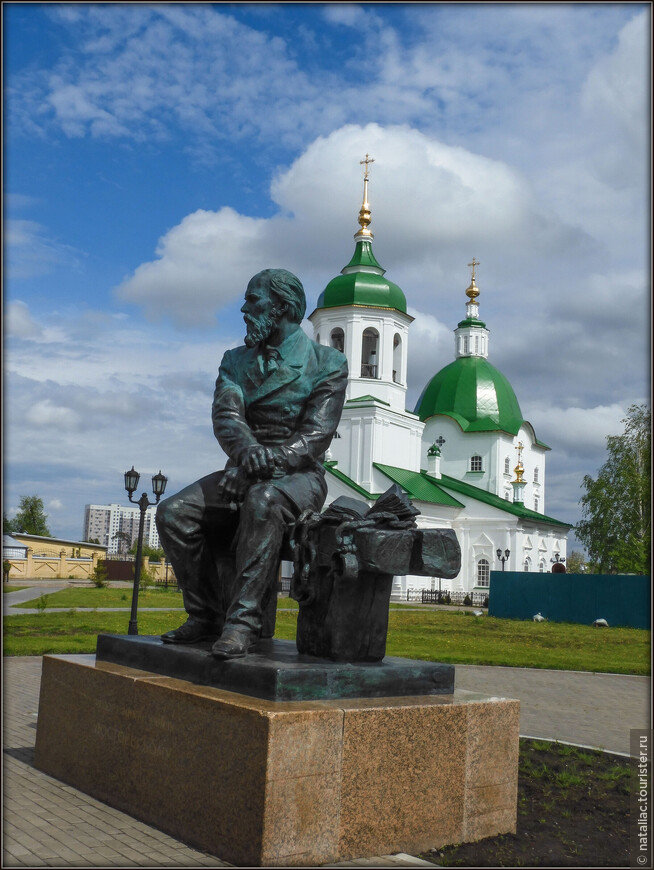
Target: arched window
465, 344
527, 565
338, 338
370, 353
536, 474
536, 503
317, 338
397, 358
507, 466
541, 566
483, 572
475, 463
507, 494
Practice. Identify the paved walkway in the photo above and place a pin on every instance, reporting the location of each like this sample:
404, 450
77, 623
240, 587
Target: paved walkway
589, 709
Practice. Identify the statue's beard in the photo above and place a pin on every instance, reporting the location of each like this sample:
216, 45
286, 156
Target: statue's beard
259, 328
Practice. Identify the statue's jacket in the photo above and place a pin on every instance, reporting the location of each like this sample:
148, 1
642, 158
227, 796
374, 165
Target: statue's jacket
297, 408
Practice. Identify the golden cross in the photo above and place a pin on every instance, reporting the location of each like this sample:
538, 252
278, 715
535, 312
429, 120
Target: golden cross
473, 264
367, 161
519, 448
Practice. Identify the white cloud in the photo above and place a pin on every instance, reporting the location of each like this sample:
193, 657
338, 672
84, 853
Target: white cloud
421, 191
575, 430
20, 323
347, 14
615, 99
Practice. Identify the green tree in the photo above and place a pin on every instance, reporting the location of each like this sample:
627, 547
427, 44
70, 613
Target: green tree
7, 525
30, 517
124, 541
575, 563
616, 505
148, 552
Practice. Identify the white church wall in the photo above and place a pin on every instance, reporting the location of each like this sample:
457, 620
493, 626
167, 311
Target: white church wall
458, 449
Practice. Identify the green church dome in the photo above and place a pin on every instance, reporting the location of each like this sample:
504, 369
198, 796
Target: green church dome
475, 394
362, 288
362, 281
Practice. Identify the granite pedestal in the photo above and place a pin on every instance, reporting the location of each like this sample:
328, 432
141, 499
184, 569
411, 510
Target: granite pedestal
281, 783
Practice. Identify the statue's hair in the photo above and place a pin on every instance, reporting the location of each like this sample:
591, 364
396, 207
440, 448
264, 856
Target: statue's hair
288, 289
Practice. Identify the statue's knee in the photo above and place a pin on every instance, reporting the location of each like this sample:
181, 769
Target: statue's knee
261, 500
165, 513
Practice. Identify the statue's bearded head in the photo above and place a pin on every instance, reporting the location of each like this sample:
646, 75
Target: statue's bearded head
259, 327
270, 296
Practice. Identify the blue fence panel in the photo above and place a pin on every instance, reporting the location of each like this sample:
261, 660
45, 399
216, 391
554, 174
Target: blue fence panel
620, 599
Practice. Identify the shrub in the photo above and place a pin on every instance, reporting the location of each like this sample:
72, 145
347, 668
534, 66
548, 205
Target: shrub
146, 579
467, 601
99, 576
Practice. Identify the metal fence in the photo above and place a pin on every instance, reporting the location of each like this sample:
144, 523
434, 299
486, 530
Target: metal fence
434, 596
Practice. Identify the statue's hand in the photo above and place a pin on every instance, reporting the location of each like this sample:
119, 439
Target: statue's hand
258, 461
233, 485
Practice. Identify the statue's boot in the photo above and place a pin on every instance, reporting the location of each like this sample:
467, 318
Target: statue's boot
192, 631
235, 641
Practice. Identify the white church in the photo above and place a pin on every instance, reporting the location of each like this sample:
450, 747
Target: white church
465, 456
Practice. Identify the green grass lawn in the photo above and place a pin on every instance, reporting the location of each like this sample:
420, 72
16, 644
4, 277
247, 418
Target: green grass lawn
433, 635
13, 588
109, 596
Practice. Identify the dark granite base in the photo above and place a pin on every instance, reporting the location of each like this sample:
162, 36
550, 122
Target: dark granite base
277, 672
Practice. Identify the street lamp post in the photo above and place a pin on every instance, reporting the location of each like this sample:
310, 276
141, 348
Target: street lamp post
159, 482
557, 558
503, 558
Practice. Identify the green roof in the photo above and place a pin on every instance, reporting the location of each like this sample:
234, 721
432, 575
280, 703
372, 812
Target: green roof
331, 468
496, 501
475, 394
418, 485
472, 321
362, 282
367, 398
422, 487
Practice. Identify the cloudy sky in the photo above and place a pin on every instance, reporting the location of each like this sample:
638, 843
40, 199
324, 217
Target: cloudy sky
157, 156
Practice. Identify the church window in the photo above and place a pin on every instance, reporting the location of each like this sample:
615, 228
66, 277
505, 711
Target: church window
507, 466
465, 344
536, 474
369, 353
338, 339
317, 338
536, 503
475, 463
476, 344
507, 494
541, 566
483, 572
527, 565
397, 358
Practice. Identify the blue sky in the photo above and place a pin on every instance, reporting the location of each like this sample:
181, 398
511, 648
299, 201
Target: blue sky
157, 156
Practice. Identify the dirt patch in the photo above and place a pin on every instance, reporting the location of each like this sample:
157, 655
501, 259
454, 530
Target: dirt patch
573, 811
